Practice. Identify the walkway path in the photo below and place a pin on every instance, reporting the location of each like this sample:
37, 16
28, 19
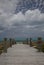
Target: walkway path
21, 54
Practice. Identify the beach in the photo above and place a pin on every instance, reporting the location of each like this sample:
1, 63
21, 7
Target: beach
22, 54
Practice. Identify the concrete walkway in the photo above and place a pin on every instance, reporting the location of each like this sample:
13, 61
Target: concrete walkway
21, 54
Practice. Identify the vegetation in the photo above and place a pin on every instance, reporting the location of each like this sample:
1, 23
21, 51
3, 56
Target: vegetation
39, 47
5, 44
42, 48
8, 43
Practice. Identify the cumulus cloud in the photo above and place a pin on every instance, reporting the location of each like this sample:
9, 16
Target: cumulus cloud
29, 24
8, 6
31, 17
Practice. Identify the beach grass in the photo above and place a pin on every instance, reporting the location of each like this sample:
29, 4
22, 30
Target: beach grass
34, 44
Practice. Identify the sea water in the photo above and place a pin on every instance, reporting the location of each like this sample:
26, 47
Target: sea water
22, 39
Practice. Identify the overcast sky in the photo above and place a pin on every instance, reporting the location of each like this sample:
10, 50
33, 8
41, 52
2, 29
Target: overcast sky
19, 25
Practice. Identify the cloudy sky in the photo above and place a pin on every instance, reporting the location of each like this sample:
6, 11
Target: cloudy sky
19, 25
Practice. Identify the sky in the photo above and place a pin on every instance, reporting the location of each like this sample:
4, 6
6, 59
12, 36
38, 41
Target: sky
19, 25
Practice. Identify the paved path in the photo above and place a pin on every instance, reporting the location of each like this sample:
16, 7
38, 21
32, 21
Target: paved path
21, 54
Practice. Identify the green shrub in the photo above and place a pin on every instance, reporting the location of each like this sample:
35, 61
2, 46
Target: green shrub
42, 48
0, 52
1, 47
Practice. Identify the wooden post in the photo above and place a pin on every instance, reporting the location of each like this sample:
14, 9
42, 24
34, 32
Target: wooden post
13, 42
10, 42
39, 43
27, 40
30, 42
5, 45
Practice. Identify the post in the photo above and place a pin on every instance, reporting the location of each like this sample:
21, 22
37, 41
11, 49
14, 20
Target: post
5, 45
27, 40
10, 42
13, 42
30, 42
39, 43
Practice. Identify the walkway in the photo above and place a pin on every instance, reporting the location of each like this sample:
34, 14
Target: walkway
21, 54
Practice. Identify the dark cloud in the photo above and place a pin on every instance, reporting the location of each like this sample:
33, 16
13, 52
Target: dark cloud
19, 25
36, 23
2, 28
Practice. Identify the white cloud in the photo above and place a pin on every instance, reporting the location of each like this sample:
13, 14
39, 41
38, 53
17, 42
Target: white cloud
17, 18
32, 21
8, 6
34, 15
29, 17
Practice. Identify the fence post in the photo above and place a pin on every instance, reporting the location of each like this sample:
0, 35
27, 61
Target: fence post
39, 43
30, 42
27, 40
5, 45
10, 42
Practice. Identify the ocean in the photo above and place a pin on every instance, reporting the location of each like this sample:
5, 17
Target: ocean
22, 39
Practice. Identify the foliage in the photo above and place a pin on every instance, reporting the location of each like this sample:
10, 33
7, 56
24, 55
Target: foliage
0, 52
42, 48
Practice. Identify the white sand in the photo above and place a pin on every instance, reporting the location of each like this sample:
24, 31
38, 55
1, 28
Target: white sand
21, 54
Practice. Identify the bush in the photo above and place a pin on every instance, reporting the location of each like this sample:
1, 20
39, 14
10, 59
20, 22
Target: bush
1, 47
0, 52
42, 48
